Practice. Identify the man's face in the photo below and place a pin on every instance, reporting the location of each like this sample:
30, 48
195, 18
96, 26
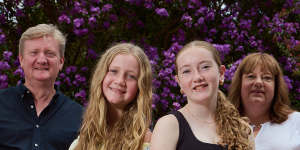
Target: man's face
41, 60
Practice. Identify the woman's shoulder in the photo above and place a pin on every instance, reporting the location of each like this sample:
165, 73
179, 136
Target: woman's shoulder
294, 117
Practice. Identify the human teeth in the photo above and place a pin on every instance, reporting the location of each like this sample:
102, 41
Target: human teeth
198, 88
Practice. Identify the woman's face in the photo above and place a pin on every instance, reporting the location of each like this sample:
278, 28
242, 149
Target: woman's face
120, 84
198, 74
257, 89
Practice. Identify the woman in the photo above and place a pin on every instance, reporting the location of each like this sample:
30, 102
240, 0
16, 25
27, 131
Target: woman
119, 110
259, 92
208, 120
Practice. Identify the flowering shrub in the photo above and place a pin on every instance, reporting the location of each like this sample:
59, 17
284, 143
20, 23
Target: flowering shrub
161, 28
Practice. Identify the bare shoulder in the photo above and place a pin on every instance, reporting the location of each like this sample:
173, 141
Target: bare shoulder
165, 134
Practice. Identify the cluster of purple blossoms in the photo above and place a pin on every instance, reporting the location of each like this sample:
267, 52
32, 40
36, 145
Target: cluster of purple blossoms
162, 12
2, 37
64, 18
3, 81
223, 50
288, 82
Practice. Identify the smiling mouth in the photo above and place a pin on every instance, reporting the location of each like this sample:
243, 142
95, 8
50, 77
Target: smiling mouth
199, 87
258, 92
119, 91
41, 68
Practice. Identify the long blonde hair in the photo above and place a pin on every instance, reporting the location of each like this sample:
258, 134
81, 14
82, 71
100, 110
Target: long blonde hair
127, 133
231, 128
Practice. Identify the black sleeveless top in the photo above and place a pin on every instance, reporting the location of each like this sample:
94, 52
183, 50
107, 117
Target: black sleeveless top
187, 139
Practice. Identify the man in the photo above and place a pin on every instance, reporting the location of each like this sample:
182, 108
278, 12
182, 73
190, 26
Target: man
36, 115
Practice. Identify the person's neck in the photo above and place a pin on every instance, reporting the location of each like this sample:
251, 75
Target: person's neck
205, 113
114, 115
42, 93
258, 118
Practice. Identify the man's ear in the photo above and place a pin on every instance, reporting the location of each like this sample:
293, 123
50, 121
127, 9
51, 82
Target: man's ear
21, 60
61, 63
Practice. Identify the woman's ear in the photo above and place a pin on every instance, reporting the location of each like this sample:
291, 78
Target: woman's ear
222, 70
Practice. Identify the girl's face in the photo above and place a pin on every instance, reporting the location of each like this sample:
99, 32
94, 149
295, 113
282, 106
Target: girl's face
120, 84
198, 74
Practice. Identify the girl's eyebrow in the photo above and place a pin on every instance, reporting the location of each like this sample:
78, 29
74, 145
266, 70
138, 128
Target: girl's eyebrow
201, 62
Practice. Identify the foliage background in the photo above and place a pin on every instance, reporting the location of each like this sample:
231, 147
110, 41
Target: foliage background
160, 27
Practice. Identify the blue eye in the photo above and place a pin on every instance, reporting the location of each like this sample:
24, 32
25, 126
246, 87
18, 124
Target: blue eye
112, 71
131, 77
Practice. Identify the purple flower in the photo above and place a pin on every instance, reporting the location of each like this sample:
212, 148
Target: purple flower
61, 75
80, 78
4, 65
162, 12
200, 21
84, 69
2, 38
201, 10
80, 94
240, 48
57, 83
64, 18
19, 71
210, 15
187, 19
71, 69
78, 22
92, 20
92, 54
7, 55
229, 73
164, 103
148, 5
288, 82
95, 10
223, 50
20, 13
3, 78
106, 7
80, 32
68, 81
212, 31
176, 105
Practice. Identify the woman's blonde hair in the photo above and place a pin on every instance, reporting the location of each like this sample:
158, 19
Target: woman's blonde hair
128, 133
233, 131
280, 104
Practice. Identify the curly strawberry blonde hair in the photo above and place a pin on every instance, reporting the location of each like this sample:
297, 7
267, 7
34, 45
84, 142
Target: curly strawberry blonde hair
234, 132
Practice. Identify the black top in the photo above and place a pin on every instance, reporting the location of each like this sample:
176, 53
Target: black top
187, 139
21, 128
